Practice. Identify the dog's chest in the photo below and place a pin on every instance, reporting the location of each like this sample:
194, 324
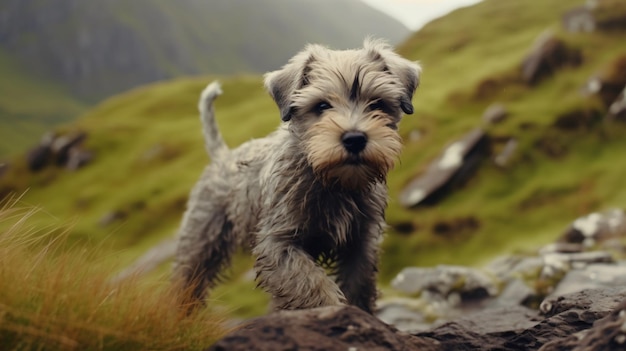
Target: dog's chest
332, 222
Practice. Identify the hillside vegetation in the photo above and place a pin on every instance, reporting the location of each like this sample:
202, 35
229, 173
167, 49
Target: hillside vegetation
149, 150
79, 52
63, 300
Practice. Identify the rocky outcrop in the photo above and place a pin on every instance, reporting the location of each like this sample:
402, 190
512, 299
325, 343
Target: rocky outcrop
569, 295
495, 114
333, 328
452, 168
548, 55
518, 328
596, 15
587, 320
64, 150
596, 227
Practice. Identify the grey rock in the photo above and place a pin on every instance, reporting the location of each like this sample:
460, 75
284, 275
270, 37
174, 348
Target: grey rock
495, 114
451, 169
517, 328
606, 334
561, 248
402, 316
332, 328
548, 55
38, 158
443, 280
78, 158
558, 264
579, 20
596, 302
596, 227
592, 276
515, 293
485, 330
507, 268
62, 145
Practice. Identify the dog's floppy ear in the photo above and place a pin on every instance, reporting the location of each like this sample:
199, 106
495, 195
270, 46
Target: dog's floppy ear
281, 84
408, 72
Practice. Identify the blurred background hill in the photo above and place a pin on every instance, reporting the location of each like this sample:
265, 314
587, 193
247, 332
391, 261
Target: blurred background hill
68, 54
553, 68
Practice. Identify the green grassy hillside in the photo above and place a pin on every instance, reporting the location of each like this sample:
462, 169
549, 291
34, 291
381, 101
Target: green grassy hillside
531, 202
57, 56
149, 149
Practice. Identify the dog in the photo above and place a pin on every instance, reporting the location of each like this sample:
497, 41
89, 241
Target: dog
310, 198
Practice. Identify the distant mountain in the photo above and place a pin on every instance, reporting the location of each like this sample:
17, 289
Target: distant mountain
99, 47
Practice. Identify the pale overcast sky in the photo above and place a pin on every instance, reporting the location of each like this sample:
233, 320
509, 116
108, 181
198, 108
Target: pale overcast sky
415, 13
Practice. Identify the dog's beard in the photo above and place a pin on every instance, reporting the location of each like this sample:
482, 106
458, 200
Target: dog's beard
333, 164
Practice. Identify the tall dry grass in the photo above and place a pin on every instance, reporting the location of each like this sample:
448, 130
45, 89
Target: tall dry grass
57, 298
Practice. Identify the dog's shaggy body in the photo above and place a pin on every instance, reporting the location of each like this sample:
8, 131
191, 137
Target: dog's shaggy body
311, 196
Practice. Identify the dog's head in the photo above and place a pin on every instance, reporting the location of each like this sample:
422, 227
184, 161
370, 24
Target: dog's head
345, 107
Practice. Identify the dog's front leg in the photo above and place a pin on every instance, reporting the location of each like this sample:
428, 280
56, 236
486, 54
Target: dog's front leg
357, 269
292, 277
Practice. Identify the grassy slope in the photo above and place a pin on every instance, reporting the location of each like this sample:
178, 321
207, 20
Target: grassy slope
490, 40
159, 38
29, 107
149, 150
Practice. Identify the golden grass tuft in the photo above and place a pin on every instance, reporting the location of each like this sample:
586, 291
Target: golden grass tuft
57, 298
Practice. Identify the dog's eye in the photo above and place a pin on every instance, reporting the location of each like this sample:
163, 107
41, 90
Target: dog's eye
379, 105
321, 107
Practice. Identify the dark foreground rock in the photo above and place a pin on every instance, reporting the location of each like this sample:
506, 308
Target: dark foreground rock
589, 320
519, 328
333, 328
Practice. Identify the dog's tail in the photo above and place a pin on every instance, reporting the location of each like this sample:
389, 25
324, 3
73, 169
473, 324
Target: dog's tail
212, 137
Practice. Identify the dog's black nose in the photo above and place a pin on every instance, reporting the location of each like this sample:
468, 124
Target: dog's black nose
354, 142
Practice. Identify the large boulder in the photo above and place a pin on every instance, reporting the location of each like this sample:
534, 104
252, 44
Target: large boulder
520, 328
579, 20
444, 280
606, 334
452, 168
548, 55
63, 150
62, 146
596, 15
596, 227
495, 114
38, 157
332, 328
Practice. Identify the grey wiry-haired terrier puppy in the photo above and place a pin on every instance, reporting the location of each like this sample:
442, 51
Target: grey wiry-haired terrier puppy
310, 198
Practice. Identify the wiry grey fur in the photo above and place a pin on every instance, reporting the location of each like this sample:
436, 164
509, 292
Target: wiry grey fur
306, 205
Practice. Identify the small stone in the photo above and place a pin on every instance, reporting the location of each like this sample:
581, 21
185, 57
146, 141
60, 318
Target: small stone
495, 114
